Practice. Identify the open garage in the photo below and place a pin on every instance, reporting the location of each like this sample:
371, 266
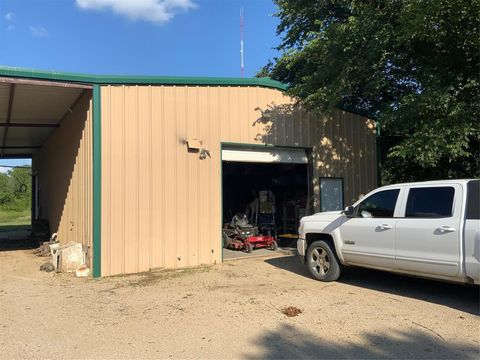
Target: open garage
270, 186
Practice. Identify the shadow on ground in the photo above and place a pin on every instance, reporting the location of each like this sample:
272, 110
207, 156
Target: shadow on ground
16, 237
456, 296
8, 228
289, 342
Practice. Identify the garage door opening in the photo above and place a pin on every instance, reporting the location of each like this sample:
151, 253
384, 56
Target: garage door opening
49, 123
15, 203
267, 191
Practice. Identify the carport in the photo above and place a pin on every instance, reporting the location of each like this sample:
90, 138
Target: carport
51, 123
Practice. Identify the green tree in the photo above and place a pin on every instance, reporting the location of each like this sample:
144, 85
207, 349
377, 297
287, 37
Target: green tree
265, 71
6, 196
21, 181
16, 189
412, 64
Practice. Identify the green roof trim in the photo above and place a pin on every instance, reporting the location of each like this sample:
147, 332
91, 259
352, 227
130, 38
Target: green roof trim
138, 80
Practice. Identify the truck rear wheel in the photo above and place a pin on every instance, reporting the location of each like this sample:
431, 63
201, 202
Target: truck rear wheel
322, 263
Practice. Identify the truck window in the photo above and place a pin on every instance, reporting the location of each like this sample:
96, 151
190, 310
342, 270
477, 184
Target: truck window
430, 202
473, 200
379, 205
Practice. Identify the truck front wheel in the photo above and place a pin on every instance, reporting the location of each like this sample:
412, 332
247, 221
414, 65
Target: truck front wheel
322, 262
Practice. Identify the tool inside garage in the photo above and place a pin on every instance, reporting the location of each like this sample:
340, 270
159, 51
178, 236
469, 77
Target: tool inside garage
272, 197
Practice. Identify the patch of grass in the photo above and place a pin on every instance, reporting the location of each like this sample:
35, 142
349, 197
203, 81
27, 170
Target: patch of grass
13, 219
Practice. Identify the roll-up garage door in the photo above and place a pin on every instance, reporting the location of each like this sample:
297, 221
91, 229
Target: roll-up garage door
265, 155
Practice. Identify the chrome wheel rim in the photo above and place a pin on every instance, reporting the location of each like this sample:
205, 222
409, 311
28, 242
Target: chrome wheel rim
319, 261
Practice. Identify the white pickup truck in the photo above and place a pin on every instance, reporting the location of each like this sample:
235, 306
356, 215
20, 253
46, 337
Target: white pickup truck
428, 229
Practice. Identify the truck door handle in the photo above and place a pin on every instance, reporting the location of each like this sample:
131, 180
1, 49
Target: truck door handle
385, 227
446, 228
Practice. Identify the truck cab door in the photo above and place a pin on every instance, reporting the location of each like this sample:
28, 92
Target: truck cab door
428, 232
369, 236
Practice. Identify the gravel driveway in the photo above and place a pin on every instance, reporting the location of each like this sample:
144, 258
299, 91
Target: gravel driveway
232, 310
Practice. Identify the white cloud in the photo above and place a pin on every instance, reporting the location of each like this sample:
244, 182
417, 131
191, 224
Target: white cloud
156, 11
9, 16
38, 31
4, 170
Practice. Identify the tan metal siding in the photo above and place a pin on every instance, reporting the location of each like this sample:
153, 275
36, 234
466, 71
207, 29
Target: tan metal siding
161, 204
64, 166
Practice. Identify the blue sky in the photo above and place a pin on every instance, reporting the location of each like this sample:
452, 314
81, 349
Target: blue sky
143, 37
153, 37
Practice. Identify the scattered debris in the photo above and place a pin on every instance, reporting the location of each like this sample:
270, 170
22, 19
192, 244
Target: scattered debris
56, 253
48, 267
68, 257
44, 249
427, 328
83, 271
291, 311
73, 257
65, 257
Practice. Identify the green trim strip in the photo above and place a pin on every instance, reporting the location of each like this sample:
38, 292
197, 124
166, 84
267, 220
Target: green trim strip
97, 183
245, 145
138, 80
221, 201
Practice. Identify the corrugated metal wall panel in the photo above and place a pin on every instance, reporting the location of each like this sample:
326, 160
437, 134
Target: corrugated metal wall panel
144, 168
64, 166
106, 174
161, 204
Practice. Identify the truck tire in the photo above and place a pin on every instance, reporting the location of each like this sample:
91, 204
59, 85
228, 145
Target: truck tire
322, 262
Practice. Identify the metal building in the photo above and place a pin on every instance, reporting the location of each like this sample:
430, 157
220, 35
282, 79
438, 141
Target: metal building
132, 166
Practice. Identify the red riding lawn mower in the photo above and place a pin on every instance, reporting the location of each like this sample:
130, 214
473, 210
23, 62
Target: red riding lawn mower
239, 234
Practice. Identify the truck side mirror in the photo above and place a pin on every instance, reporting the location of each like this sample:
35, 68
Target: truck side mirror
349, 211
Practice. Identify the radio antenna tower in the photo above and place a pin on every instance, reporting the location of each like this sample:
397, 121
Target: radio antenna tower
242, 67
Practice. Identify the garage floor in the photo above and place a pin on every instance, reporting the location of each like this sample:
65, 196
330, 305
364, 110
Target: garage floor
233, 310
235, 254
286, 247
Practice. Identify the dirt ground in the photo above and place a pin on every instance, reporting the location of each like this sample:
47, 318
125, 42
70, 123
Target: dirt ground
232, 310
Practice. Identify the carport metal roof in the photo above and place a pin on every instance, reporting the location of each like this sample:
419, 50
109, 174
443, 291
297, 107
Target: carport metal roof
30, 110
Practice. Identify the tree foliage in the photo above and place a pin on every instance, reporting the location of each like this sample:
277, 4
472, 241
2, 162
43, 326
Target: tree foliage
15, 189
412, 64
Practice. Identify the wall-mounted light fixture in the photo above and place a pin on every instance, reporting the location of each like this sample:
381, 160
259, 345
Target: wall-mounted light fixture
195, 145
